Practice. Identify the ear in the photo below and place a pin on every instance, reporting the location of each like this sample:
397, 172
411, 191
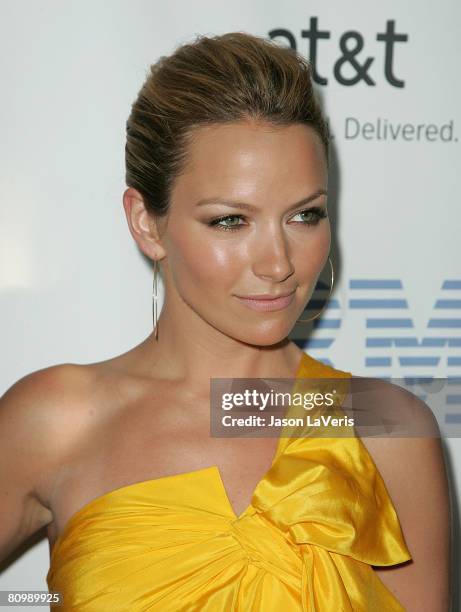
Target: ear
143, 226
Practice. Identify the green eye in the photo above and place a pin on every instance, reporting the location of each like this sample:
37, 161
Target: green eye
216, 222
316, 213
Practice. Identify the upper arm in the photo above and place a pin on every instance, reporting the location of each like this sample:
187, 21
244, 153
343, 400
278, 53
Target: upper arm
415, 476
30, 449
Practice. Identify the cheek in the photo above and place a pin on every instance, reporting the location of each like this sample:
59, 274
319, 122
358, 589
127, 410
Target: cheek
312, 257
202, 264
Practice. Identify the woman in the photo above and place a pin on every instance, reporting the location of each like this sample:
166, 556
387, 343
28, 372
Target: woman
227, 172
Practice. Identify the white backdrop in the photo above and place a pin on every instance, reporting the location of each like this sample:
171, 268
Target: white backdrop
74, 287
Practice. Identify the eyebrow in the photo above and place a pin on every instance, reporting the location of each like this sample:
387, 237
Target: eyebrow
245, 206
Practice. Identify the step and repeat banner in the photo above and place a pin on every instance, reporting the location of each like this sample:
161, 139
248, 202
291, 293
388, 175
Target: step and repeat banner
74, 287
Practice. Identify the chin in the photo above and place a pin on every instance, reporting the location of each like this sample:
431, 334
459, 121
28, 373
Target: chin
266, 336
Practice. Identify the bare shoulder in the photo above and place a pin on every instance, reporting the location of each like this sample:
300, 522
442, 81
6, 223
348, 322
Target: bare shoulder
40, 416
40, 403
413, 468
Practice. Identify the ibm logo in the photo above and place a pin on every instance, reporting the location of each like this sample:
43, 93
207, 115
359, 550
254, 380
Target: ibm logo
390, 343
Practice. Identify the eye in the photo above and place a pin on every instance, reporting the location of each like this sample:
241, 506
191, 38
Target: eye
216, 222
316, 213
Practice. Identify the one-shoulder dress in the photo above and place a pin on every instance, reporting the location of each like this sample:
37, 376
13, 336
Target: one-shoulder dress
318, 520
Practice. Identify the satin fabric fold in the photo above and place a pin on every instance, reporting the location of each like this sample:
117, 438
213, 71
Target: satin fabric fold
317, 522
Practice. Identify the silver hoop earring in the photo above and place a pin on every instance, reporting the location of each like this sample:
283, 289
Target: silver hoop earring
155, 297
326, 301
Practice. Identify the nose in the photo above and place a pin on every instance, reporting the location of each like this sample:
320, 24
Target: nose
271, 255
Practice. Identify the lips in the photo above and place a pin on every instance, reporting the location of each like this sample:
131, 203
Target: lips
266, 305
266, 296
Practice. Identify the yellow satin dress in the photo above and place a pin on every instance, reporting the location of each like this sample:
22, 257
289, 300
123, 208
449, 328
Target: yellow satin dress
318, 520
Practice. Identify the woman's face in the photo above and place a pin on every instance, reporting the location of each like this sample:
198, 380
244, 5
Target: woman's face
272, 246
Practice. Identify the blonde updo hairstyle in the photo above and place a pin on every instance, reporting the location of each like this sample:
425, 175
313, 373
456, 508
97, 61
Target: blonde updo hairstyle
213, 80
